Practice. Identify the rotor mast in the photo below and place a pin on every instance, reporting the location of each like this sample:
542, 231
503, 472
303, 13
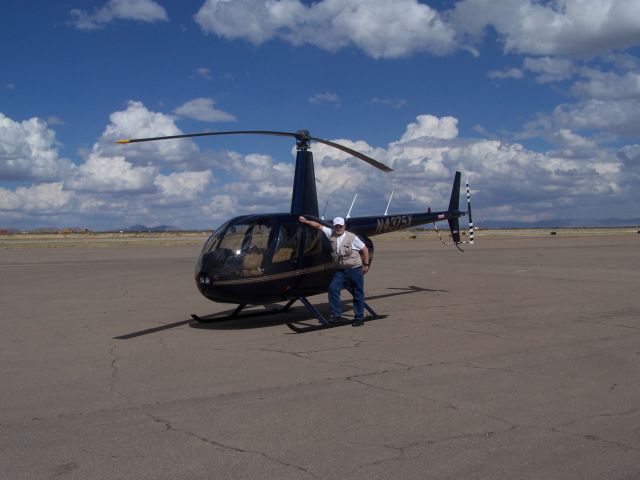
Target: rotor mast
304, 198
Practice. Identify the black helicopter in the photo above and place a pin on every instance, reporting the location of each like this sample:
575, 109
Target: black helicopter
267, 258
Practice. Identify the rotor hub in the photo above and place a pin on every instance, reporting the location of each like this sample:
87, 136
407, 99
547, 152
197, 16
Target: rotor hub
303, 140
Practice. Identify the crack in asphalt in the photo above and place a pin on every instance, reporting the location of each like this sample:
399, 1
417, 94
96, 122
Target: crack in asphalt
479, 332
612, 386
357, 379
302, 355
401, 451
169, 427
64, 469
107, 455
356, 344
561, 428
115, 372
512, 425
306, 354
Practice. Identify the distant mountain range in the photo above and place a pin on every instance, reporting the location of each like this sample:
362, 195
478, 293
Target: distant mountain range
144, 228
562, 223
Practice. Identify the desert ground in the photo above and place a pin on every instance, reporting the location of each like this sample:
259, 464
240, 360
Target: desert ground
517, 359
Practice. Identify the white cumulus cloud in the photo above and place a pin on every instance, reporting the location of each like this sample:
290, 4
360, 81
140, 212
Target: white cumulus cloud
399, 28
112, 174
382, 29
29, 151
506, 73
41, 198
621, 117
182, 186
556, 27
203, 109
430, 126
138, 10
549, 69
137, 121
607, 85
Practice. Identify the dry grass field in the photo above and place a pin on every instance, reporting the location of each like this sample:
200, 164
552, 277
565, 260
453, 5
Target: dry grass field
111, 239
160, 239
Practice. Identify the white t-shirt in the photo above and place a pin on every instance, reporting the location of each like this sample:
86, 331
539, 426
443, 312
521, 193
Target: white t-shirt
356, 245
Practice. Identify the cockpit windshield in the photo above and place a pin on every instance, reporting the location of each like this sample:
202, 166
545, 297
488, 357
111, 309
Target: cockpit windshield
214, 239
234, 237
237, 250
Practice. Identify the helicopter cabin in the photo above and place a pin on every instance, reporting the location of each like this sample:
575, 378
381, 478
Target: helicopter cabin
272, 252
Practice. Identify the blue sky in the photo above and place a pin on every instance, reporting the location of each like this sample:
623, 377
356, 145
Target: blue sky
538, 103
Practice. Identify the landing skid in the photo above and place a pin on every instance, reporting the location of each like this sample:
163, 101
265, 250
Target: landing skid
236, 314
298, 327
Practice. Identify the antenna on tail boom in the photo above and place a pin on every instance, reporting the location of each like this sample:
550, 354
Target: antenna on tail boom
389, 203
351, 207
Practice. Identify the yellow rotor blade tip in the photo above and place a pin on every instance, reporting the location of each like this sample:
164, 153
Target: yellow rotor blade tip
122, 141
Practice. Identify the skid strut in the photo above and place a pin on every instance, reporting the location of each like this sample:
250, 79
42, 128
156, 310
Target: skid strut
324, 323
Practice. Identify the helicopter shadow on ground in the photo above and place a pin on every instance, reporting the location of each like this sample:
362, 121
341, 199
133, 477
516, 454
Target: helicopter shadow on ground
263, 315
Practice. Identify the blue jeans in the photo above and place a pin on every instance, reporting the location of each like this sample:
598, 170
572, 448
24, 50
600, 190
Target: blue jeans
353, 280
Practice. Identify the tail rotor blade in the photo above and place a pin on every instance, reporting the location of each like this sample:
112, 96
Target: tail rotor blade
469, 214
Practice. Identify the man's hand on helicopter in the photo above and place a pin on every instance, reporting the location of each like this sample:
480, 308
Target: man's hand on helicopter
311, 223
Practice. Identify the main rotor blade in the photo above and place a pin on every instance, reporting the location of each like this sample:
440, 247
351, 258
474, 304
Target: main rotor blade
205, 134
356, 154
302, 135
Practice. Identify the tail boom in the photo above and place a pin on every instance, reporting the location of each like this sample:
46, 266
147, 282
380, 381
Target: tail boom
377, 225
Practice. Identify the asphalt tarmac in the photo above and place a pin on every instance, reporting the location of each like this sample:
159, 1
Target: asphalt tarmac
517, 359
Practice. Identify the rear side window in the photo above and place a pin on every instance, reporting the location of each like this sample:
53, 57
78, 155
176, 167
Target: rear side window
313, 244
288, 241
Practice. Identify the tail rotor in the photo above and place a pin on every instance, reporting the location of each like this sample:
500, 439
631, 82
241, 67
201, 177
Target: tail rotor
469, 215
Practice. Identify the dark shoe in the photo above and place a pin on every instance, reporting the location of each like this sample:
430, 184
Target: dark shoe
358, 322
335, 318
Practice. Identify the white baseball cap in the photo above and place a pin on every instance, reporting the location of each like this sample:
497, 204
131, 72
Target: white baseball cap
338, 221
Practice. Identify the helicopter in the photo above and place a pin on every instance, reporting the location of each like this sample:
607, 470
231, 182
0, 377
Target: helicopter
261, 259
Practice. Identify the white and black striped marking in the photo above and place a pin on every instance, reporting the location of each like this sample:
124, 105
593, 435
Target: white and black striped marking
469, 214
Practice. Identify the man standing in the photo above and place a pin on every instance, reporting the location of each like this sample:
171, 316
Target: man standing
352, 259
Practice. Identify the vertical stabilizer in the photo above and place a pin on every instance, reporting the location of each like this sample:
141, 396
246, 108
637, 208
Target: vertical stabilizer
454, 208
454, 201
